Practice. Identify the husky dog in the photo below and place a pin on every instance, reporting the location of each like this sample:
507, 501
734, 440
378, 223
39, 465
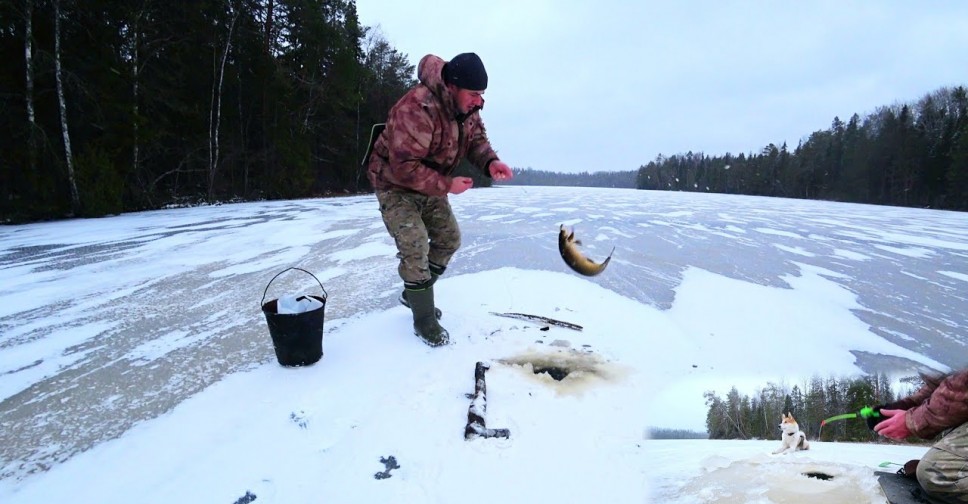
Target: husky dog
792, 438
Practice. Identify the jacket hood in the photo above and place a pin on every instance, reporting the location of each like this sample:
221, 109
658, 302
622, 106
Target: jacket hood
430, 73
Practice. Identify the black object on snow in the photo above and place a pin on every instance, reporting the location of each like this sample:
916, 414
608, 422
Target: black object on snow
390, 463
901, 489
296, 337
246, 499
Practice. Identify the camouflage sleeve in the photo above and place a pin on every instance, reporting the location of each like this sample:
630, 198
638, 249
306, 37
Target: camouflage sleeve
946, 407
480, 153
409, 134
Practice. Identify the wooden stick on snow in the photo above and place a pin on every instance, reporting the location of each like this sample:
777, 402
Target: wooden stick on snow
475, 413
539, 318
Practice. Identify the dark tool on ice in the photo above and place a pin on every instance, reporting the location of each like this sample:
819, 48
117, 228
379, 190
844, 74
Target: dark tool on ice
568, 248
246, 499
390, 463
476, 426
539, 318
900, 489
866, 413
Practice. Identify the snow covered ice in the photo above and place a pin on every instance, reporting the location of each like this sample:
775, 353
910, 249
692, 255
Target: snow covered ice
136, 366
727, 472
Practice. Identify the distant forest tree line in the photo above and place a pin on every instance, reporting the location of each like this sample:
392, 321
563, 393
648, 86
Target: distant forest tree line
532, 177
124, 105
663, 433
739, 416
902, 155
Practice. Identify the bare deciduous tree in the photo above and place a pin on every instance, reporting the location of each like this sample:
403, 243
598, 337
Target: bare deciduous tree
215, 117
29, 94
62, 105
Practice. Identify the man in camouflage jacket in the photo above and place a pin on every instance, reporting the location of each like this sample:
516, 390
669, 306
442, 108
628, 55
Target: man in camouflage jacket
429, 130
941, 404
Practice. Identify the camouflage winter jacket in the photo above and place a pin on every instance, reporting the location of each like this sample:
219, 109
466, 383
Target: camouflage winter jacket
942, 403
425, 138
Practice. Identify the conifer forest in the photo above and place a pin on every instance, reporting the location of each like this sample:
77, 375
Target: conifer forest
741, 416
113, 106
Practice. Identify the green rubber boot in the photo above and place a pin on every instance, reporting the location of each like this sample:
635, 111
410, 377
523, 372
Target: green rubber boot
406, 302
435, 271
425, 322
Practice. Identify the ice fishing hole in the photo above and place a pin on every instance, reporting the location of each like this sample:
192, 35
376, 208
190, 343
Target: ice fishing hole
565, 370
557, 373
818, 475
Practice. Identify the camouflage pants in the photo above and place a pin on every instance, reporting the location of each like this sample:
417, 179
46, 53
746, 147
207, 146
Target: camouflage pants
943, 471
424, 229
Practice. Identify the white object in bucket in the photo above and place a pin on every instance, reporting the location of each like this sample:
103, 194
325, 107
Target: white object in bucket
291, 305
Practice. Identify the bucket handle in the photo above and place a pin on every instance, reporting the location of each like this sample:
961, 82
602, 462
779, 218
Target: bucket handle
325, 295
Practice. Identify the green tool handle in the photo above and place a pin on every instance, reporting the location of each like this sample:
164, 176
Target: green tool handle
865, 413
839, 417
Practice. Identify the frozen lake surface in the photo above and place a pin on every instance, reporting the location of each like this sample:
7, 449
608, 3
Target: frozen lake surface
107, 323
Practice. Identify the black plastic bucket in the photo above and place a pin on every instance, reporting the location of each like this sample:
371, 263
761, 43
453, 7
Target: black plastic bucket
296, 337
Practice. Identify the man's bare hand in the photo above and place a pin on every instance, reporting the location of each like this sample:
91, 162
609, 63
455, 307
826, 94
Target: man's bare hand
461, 184
894, 425
500, 170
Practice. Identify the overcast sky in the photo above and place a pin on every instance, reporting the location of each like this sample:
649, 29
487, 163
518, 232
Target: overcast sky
579, 86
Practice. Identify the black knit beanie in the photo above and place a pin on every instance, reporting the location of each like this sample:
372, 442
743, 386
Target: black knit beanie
466, 71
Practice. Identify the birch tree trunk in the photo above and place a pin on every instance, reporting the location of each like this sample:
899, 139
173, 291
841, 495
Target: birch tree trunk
215, 117
135, 91
242, 142
62, 105
269, 42
29, 70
